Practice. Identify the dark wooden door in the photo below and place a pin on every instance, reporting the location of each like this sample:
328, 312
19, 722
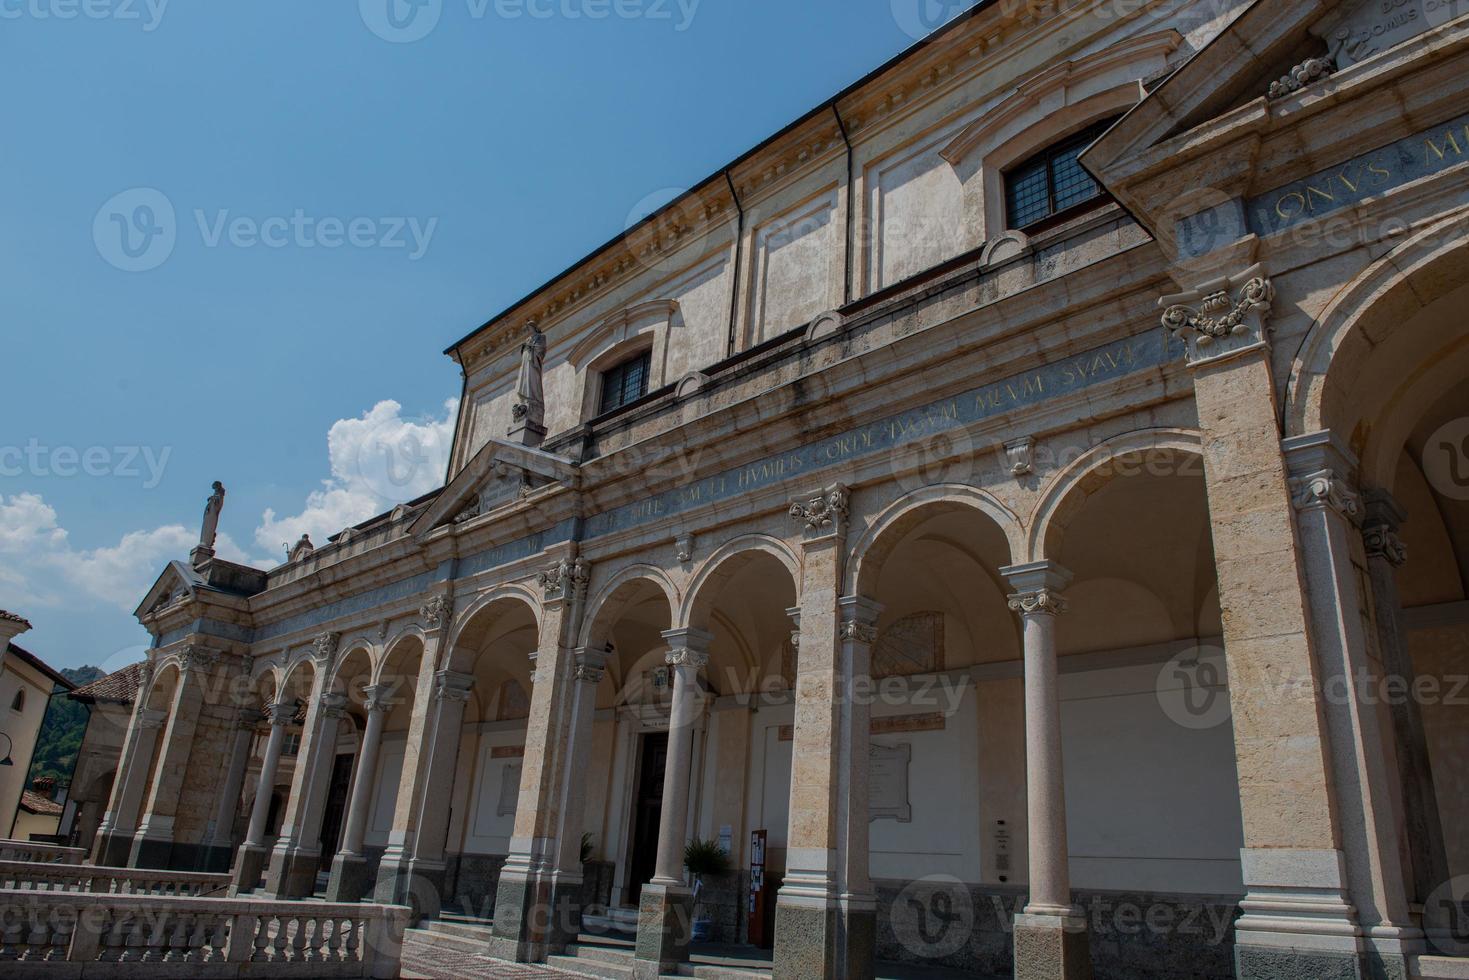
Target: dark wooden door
648, 812
336, 808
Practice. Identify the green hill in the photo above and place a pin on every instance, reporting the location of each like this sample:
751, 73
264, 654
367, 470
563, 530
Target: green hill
62, 729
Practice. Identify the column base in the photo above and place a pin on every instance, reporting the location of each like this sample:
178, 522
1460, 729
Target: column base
535, 918
1052, 947
831, 943
416, 884
113, 849
350, 880
150, 852
248, 870
292, 874
665, 926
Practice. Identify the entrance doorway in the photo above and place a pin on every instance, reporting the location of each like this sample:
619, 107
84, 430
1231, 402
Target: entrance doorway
647, 813
336, 808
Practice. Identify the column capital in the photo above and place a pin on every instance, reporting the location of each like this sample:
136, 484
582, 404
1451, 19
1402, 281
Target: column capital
247, 719
451, 685
1037, 587
1326, 490
688, 647
1380, 528
590, 664
859, 618
823, 513
1222, 318
196, 658
334, 705
281, 713
376, 697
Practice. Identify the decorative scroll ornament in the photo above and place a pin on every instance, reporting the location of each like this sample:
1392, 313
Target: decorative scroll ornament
589, 673
686, 657
324, 647
1021, 454
1325, 489
1041, 602
1383, 542
565, 578
475, 508
436, 610
860, 632
824, 511
301, 550
1222, 317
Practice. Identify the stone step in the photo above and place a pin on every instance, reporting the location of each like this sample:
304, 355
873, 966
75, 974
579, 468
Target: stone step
474, 943
1443, 968
721, 971
604, 954
591, 967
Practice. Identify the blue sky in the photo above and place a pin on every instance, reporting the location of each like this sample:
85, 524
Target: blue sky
348, 198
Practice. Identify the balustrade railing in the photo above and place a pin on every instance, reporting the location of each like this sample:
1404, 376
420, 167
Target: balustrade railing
82, 934
36, 876
26, 850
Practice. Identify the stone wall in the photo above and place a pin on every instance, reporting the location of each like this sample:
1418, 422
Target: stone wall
1133, 934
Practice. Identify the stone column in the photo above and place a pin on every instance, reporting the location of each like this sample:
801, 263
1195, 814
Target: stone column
588, 668
350, 881
392, 887
1051, 940
221, 842
824, 914
1297, 920
1428, 859
536, 903
1364, 761
153, 843
120, 822
425, 870
666, 908
250, 862
297, 855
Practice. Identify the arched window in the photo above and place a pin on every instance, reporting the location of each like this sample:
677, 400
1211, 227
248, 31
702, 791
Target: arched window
1053, 185
19, 704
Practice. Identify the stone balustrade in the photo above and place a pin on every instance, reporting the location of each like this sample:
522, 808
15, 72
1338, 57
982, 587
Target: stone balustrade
28, 850
82, 934
39, 876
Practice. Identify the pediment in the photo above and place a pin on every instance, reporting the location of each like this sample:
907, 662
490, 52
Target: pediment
1233, 118
176, 582
499, 473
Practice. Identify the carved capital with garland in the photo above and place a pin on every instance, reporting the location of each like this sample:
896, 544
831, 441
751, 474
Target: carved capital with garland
1040, 602
565, 579
824, 513
1222, 318
324, 647
436, 611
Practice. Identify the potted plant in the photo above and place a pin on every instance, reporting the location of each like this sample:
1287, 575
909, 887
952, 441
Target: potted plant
704, 857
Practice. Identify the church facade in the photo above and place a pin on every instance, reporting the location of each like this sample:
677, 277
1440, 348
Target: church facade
1017, 514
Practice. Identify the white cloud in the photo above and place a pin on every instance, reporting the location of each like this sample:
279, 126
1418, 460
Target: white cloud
377, 461
121, 574
28, 523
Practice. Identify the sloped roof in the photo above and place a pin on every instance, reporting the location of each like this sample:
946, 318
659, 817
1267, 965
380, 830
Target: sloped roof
11, 617
118, 687
34, 802
27, 657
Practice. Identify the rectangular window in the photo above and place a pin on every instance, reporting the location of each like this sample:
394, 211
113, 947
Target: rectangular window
625, 383
1053, 182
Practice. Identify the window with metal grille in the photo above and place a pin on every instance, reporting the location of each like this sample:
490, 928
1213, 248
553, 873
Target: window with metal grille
1053, 182
625, 383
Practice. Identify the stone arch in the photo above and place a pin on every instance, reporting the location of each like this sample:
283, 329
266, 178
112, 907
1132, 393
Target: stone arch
349, 653
407, 634
1365, 313
474, 625
163, 683
911, 509
698, 601
1068, 490
603, 609
482, 601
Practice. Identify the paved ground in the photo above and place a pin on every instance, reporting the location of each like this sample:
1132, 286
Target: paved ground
440, 961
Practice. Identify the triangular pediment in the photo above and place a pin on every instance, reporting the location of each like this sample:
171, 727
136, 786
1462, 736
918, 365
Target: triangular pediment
176, 581
499, 473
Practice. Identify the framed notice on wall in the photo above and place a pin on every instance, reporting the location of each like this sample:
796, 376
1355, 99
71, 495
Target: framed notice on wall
760, 934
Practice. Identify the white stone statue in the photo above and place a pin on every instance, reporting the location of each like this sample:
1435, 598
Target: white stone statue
212, 507
530, 391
